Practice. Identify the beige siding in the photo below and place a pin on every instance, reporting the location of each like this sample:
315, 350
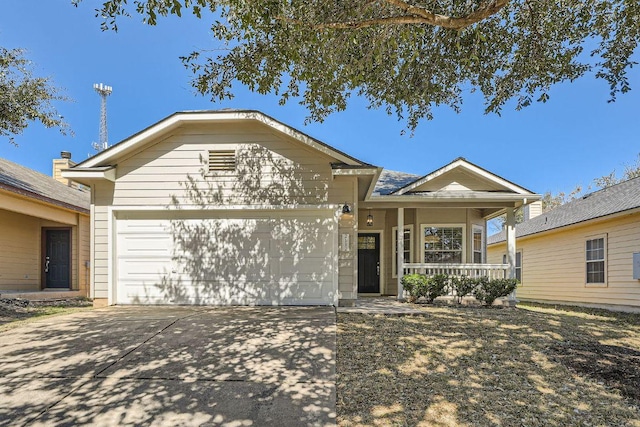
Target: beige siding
343, 189
20, 247
84, 242
554, 263
102, 194
271, 169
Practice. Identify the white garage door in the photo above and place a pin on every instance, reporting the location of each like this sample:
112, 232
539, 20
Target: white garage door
284, 260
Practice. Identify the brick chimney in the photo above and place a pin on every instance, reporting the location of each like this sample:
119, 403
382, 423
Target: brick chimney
532, 210
64, 162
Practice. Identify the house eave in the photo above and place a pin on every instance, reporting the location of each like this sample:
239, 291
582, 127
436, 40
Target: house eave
87, 175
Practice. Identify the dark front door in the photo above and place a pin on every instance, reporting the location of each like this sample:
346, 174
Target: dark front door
368, 263
57, 259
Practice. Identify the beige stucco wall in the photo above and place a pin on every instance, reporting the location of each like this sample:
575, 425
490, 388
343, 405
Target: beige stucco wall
554, 263
273, 170
21, 243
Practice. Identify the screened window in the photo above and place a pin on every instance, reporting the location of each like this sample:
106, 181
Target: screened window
408, 247
443, 244
595, 258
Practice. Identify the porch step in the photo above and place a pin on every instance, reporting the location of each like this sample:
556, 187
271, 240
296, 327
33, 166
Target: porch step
41, 295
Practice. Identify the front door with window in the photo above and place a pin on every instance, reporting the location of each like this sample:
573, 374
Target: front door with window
57, 258
368, 263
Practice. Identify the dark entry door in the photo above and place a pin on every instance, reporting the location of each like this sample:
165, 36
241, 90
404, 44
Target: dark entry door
57, 259
369, 263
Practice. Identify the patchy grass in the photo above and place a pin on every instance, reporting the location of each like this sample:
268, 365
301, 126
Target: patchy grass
531, 366
14, 313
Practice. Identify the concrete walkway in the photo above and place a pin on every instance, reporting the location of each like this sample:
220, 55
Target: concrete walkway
235, 366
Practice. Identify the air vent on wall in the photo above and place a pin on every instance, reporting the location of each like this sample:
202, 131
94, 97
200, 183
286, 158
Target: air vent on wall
222, 160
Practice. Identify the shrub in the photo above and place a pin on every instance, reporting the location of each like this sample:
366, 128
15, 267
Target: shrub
463, 286
415, 285
489, 290
437, 286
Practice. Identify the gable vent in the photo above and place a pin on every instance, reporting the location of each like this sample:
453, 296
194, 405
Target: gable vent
222, 160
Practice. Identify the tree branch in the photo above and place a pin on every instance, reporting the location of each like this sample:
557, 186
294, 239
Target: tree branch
414, 15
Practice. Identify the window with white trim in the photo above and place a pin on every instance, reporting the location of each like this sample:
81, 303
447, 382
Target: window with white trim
443, 243
595, 253
518, 264
408, 247
478, 244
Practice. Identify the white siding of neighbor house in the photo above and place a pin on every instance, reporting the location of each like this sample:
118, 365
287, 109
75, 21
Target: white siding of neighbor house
273, 170
553, 263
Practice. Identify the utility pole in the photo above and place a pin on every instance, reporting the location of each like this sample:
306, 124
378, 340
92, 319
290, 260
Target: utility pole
104, 91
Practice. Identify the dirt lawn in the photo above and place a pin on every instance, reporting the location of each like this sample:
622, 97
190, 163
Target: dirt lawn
531, 366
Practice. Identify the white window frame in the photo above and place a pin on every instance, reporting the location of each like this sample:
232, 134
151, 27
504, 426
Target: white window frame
457, 225
586, 262
394, 248
504, 261
483, 246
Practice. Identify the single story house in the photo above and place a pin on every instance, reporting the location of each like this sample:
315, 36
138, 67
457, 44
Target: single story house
581, 253
234, 207
44, 230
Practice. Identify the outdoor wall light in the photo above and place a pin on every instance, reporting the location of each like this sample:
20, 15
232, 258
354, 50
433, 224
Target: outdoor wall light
346, 209
369, 219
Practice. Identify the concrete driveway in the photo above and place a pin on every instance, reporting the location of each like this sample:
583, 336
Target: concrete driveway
236, 366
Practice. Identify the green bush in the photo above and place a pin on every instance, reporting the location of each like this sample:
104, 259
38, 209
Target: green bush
415, 285
463, 286
490, 290
437, 286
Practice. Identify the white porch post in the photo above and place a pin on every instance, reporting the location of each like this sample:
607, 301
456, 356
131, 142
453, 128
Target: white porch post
510, 231
400, 252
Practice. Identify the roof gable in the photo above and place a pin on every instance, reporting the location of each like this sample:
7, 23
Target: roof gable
167, 125
461, 176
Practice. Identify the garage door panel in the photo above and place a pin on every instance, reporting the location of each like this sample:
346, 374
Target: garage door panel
227, 261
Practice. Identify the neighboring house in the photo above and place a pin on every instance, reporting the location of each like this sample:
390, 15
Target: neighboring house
234, 207
581, 252
44, 230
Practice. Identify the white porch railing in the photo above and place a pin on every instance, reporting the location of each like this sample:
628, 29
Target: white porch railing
492, 271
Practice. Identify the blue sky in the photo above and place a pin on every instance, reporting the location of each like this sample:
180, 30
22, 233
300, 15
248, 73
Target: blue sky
574, 138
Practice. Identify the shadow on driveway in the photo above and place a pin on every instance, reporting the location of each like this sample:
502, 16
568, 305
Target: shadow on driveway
172, 366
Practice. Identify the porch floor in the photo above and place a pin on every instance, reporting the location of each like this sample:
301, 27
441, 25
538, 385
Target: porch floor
49, 294
382, 305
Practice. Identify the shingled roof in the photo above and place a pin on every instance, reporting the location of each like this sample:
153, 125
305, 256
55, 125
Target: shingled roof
615, 199
391, 181
27, 182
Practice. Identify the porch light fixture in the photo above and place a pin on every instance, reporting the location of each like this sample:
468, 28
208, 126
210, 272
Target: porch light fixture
346, 209
369, 219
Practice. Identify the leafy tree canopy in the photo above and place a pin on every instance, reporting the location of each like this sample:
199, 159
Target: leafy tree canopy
25, 98
406, 56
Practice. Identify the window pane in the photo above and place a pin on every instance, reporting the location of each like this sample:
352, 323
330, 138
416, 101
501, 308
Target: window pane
518, 259
519, 274
443, 244
595, 272
477, 257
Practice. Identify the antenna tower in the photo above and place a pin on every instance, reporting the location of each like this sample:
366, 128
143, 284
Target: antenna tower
104, 91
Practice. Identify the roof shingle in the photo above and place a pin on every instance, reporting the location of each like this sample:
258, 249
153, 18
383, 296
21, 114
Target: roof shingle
617, 198
22, 180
